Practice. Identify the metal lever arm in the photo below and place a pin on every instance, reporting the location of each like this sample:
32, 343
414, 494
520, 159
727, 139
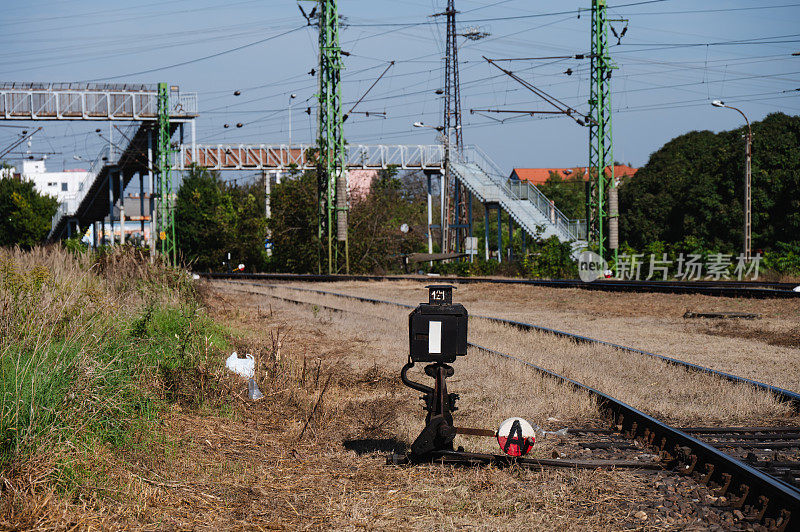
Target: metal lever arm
411, 384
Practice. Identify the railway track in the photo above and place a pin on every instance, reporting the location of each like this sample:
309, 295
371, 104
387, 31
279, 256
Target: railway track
747, 289
752, 471
793, 398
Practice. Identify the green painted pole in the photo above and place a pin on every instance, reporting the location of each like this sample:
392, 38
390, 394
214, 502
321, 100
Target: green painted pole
166, 211
331, 163
601, 153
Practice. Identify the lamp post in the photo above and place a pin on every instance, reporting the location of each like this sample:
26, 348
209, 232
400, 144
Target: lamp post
747, 180
291, 97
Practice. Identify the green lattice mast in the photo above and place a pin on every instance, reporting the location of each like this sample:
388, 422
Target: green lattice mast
331, 166
601, 153
166, 213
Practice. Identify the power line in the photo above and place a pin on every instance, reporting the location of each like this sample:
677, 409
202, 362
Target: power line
722, 10
497, 19
198, 59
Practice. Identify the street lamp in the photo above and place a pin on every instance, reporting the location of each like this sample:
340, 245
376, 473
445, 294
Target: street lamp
747, 180
291, 97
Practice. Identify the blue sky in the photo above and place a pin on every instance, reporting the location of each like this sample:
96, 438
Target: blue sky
676, 56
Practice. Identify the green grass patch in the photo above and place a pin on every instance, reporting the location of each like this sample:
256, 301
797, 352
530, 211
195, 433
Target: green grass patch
67, 394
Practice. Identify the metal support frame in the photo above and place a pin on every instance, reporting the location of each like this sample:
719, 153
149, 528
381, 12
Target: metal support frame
486, 229
81, 101
141, 203
430, 216
121, 189
151, 185
748, 209
748, 154
331, 162
499, 234
111, 185
510, 237
303, 156
601, 153
455, 212
166, 213
469, 219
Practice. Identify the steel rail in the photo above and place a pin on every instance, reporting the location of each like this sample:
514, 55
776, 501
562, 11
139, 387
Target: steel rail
748, 289
793, 398
768, 497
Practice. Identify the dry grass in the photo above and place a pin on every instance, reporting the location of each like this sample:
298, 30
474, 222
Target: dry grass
82, 371
653, 386
652, 322
755, 332
491, 388
334, 377
250, 471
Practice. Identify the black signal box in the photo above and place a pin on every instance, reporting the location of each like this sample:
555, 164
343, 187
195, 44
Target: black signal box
438, 328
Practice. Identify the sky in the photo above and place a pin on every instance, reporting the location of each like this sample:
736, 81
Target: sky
674, 59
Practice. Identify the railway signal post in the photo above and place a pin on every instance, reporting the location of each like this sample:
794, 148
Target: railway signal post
437, 335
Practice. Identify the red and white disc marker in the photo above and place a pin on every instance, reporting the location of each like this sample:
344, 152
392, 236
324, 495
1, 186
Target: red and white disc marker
516, 436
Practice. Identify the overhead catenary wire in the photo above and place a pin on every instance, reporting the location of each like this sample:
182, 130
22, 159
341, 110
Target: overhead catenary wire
415, 100
198, 59
552, 100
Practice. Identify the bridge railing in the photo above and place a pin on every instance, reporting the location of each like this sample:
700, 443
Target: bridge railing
303, 156
421, 156
69, 204
90, 104
575, 229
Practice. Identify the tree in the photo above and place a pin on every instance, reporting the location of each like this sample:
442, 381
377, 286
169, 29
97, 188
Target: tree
691, 190
204, 219
295, 242
25, 215
569, 195
376, 241
249, 225
214, 218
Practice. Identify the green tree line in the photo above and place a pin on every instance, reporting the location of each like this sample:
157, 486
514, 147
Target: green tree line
689, 197
691, 190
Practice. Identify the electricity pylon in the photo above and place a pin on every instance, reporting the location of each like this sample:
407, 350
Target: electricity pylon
331, 163
601, 153
456, 196
166, 212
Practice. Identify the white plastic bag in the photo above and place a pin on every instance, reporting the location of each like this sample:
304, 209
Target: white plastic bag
244, 367
796, 289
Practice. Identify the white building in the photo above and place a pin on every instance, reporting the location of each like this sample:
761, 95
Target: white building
66, 187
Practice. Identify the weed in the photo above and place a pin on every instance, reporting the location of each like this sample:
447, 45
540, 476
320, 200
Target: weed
92, 350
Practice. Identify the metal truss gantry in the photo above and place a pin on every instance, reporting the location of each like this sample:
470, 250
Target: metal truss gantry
88, 101
331, 162
457, 199
601, 153
165, 211
304, 157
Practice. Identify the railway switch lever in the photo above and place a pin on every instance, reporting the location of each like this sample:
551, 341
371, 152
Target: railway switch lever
437, 335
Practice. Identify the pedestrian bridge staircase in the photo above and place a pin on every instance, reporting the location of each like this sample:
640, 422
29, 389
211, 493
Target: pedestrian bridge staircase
525, 204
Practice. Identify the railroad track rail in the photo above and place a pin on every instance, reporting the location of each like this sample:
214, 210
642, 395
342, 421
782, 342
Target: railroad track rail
788, 396
747, 289
761, 485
